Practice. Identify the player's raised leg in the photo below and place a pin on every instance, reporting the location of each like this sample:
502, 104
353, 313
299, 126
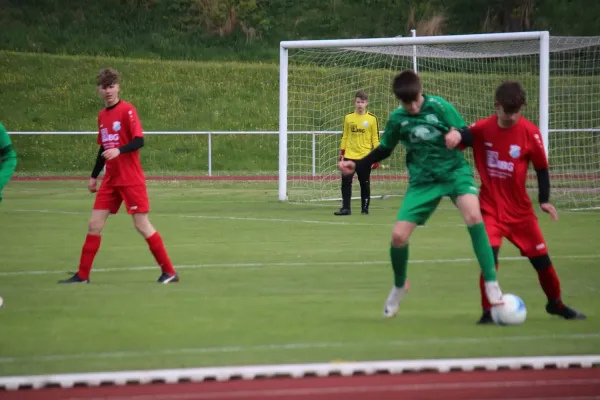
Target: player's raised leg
420, 201
399, 257
468, 204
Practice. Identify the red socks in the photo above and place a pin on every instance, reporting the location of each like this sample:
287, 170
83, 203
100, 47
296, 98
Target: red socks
550, 284
157, 247
92, 244
88, 253
548, 280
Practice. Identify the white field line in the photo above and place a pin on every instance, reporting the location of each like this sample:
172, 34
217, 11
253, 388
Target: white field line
288, 264
366, 390
295, 347
230, 218
252, 219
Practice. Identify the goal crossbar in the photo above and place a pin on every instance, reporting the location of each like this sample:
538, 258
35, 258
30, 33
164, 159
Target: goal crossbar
418, 40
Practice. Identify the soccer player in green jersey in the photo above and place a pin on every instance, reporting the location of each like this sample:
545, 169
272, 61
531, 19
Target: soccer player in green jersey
421, 124
8, 159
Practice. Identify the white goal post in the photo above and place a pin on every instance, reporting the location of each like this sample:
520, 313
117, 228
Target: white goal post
318, 79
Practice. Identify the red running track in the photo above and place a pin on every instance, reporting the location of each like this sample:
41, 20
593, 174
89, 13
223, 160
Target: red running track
579, 384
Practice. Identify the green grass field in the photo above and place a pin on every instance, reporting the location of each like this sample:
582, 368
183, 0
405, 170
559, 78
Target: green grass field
265, 282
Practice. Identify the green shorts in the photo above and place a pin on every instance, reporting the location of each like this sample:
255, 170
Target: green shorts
421, 200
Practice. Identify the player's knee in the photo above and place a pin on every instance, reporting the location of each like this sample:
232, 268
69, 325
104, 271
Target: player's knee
540, 262
400, 237
472, 217
95, 226
142, 224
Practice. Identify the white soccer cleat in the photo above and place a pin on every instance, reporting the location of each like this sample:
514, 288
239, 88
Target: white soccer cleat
493, 293
392, 303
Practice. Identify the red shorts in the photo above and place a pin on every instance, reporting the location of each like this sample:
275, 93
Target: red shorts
526, 235
110, 198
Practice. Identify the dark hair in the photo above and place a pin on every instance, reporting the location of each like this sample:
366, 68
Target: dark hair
108, 77
511, 96
407, 86
361, 94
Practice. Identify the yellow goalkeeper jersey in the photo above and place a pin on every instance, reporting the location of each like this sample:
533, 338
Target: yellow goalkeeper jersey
360, 136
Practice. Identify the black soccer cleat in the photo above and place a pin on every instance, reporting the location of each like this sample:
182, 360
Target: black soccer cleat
74, 279
343, 211
365, 211
486, 318
168, 278
564, 311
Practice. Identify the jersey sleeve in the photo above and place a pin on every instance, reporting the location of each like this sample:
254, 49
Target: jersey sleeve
450, 115
391, 134
375, 132
344, 133
133, 123
537, 153
99, 137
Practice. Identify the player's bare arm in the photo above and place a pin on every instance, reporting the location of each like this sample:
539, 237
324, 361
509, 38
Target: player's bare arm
453, 138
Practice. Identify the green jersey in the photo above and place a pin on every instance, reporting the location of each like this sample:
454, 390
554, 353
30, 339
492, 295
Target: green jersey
427, 157
8, 159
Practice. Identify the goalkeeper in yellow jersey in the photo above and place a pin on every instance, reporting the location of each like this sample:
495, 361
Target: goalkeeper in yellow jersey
8, 159
360, 136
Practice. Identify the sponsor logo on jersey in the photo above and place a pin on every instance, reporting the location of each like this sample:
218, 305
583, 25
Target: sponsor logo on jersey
355, 129
424, 133
107, 137
514, 151
488, 144
493, 161
432, 118
117, 126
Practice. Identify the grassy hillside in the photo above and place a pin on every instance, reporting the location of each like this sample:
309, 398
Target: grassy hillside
57, 93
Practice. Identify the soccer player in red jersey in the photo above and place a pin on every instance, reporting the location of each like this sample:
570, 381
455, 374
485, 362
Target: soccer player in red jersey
120, 137
503, 146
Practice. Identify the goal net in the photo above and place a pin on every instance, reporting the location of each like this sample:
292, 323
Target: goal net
561, 76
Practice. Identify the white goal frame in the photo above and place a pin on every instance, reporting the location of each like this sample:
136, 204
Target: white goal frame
544, 57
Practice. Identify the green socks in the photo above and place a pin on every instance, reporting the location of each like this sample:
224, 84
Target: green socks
399, 256
483, 251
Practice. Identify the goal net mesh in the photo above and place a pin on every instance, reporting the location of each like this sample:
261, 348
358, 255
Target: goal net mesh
322, 83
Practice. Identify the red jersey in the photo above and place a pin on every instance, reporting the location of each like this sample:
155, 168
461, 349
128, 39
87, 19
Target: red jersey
117, 126
502, 157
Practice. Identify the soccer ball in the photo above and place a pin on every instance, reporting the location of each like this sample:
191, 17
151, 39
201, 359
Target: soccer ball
512, 312
1, 302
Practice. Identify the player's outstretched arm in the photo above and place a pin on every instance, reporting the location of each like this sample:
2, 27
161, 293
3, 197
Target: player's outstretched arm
378, 154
